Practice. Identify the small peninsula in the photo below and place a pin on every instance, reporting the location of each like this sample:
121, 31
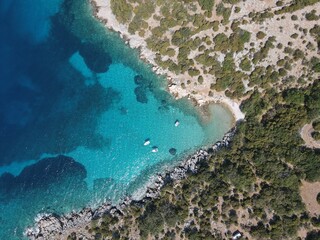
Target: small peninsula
262, 181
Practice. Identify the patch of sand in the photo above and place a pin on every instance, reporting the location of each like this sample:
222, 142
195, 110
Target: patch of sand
309, 192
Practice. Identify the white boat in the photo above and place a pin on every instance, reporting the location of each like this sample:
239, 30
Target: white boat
154, 149
176, 123
146, 142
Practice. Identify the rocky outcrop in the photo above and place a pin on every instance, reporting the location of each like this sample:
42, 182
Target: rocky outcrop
51, 226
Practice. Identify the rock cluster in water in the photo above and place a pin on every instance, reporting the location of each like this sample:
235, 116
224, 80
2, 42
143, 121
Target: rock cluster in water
54, 225
172, 151
143, 85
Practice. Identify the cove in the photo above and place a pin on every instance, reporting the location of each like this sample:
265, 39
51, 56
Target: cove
76, 109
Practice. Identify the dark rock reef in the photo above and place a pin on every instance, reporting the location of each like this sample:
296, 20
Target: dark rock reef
45, 172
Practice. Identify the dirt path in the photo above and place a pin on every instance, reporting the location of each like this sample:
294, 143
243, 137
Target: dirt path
307, 138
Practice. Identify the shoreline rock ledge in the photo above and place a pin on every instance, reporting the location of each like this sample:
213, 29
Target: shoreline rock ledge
51, 226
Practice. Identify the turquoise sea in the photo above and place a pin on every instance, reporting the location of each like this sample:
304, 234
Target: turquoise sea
76, 109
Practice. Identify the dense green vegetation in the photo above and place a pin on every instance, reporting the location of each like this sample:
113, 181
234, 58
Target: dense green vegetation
296, 5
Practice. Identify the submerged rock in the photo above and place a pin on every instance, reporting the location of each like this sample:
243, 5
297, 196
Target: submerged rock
123, 110
43, 173
141, 94
172, 151
138, 79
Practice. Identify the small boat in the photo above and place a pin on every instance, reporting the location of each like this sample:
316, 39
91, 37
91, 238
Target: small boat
176, 123
146, 142
154, 149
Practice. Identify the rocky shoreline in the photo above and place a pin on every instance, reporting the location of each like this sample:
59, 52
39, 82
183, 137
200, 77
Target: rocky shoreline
51, 226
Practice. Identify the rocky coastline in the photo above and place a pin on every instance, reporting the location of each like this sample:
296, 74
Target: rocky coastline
51, 226
102, 11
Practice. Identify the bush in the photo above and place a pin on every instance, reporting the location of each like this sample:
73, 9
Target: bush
180, 36
238, 38
311, 16
298, 54
200, 79
206, 5
294, 17
316, 136
122, 10
316, 125
279, 3
221, 42
221, 10
260, 35
245, 64
281, 62
237, 9
193, 72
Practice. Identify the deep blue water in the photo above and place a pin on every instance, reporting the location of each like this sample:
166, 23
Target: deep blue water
76, 106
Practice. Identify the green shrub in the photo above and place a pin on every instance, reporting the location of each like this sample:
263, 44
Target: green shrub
260, 35
316, 67
193, 72
315, 32
122, 10
311, 16
206, 5
215, 26
294, 17
170, 52
237, 9
180, 36
200, 79
238, 38
316, 124
316, 136
221, 10
281, 62
282, 72
298, 54
279, 3
221, 42
245, 64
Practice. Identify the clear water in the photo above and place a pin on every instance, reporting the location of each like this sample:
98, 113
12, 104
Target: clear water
76, 106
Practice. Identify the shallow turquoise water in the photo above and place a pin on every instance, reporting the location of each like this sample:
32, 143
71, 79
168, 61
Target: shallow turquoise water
69, 88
